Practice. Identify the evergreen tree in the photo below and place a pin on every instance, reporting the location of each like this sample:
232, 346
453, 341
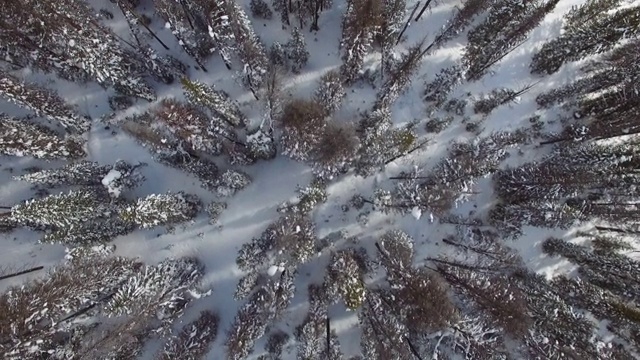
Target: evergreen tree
311, 335
462, 18
286, 243
192, 127
506, 27
61, 211
263, 307
573, 184
297, 50
260, 9
249, 49
163, 290
589, 29
445, 81
85, 277
400, 76
86, 173
330, 91
89, 233
359, 26
231, 181
379, 142
67, 38
215, 100
192, 35
344, 280
194, 339
42, 102
18, 138
161, 209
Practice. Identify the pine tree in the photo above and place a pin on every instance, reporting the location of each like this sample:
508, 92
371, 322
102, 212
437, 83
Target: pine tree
263, 307
589, 30
43, 102
260, 9
84, 278
85, 173
400, 76
462, 18
232, 181
192, 35
330, 91
312, 334
344, 280
379, 142
297, 50
249, 49
506, 27
89, 233
215, 100
18, 138
445, 81
360, 24
392, 18
191, 126
286, 243
161, 209
163, 291
61, 211
194, 339
66, 37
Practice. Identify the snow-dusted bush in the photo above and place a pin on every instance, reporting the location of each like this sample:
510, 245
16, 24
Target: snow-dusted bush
232, 181
261, 145
214, 209
260, 9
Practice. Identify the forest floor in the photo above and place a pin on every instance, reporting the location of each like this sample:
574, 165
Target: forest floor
275, 181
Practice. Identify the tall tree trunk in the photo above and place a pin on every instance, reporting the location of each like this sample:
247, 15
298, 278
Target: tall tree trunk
3, 277
424, 8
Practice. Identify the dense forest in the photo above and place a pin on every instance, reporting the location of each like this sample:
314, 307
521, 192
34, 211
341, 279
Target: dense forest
319, 179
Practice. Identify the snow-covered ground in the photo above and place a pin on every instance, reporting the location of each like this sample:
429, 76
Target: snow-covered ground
275, 181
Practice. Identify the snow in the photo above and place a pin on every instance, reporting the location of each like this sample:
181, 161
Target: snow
416, 212
108, 181
253, 208
272, 270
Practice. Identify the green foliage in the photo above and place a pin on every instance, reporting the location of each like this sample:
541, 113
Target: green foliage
59, 211
629, 312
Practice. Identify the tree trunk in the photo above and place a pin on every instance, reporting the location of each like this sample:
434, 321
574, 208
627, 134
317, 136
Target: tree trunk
406, 25
3, 277
424, 8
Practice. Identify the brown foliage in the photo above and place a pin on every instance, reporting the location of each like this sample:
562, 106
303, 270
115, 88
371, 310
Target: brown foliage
339, 141
303, 115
